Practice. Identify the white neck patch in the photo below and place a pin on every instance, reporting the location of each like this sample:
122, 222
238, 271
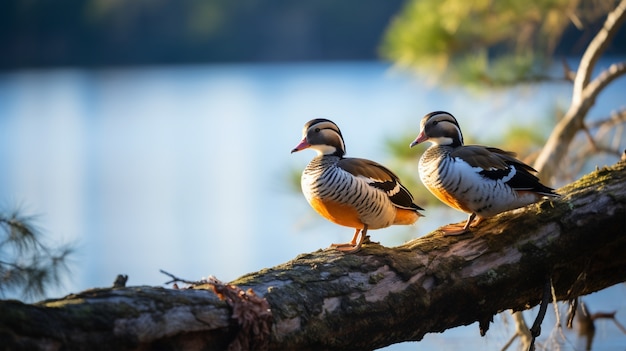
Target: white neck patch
324, 149
441, 140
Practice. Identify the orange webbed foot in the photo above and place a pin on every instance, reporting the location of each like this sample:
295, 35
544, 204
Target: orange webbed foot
454, 229
355, 244
346, 248
460, 228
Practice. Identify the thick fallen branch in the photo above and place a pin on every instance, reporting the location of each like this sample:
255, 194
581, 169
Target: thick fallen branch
370, 299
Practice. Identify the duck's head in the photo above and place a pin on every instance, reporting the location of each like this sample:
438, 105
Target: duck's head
323, 136
440, 128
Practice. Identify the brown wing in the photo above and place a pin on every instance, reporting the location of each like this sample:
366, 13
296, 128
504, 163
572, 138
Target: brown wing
381, 178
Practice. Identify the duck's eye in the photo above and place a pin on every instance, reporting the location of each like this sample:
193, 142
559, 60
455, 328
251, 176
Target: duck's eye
317, 130
435, 123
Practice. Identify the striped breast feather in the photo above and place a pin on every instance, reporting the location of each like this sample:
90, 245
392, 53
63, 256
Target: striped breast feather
379, 177
502, 165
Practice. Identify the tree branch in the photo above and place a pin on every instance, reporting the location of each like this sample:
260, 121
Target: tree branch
367, 300
595, 49
616, 117
583, 96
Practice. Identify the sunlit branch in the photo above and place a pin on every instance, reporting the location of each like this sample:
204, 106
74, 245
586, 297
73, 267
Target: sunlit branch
595, 49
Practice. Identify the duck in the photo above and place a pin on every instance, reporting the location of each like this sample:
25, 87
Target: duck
351, 192
479, 180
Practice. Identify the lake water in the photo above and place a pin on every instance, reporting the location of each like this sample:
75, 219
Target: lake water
188, 169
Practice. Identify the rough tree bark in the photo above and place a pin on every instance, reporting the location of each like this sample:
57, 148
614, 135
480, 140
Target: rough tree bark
367, 300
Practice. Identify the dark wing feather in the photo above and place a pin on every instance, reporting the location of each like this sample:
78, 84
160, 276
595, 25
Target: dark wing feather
381, 178
497, 164
487, 158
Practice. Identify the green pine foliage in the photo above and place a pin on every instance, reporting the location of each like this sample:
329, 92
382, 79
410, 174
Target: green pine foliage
28, 266
494, 43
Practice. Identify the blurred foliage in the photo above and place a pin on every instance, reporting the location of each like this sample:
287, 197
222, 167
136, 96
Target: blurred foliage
293, 179
28, 267
523, 139
491, 42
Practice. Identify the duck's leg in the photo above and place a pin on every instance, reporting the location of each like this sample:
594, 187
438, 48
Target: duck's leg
351, 243
476, 222
354, 245
458, 228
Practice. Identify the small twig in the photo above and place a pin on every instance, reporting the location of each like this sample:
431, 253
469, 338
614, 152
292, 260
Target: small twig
555, 303
571, 312
252, 313
592, 142
576, 21
510, 342
615, 118
535, 330
603, 315
619, 325
608, 151
568, 73
586, 325
120, 281
175, 279
557, 314
608, 315
521, 331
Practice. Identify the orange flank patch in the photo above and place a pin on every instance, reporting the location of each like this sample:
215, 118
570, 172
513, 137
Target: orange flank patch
449, 200
406, 217
337, 213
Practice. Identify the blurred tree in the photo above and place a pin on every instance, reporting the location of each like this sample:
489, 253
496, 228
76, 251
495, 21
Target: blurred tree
28, 267
490, 42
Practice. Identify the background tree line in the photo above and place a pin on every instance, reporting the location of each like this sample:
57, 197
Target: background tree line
96, 33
